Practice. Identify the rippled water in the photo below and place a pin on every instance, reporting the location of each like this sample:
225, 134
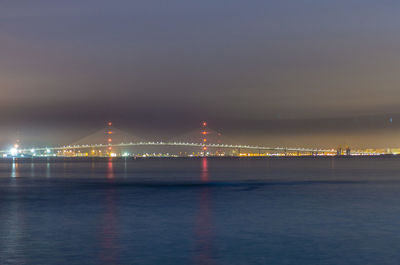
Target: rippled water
201, 211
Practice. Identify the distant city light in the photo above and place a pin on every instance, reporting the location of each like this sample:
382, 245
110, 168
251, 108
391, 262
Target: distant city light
205, 147
14, 151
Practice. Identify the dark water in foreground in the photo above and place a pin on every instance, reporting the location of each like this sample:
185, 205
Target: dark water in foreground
201, 211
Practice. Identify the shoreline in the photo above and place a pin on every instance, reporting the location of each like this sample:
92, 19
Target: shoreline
183, 158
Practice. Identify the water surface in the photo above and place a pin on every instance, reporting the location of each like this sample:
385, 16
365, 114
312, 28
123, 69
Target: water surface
200, 211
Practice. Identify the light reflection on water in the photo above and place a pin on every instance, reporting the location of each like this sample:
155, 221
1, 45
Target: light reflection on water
48, 169
110, 169
110, 230
14, 168
200, 211
204, 224
32, 169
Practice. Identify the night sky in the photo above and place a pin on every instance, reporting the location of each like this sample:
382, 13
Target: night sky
295, 73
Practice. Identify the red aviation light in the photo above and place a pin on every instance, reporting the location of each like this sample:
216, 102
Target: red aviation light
204, 124
110, 123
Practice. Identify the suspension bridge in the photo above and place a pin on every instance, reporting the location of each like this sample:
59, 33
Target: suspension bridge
202, 142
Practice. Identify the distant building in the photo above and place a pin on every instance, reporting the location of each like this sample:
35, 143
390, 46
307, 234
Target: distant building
348, 151
339, 151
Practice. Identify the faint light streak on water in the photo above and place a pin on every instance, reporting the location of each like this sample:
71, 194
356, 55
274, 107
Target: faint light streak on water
32, 169
48, 168
204, 226
204, 170
110, 230
14, 168
110, 169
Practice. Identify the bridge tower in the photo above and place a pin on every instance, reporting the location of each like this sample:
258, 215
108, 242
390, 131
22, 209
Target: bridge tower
109, 133
204, 138
219, 151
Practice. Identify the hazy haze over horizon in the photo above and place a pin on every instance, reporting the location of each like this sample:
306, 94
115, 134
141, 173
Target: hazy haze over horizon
298, 73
